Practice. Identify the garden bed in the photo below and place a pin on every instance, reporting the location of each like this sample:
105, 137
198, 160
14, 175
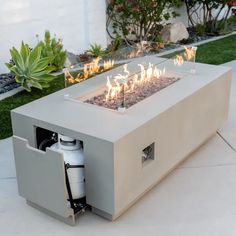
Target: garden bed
216, 52
7, 83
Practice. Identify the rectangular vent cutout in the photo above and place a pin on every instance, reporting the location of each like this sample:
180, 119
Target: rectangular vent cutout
148, 153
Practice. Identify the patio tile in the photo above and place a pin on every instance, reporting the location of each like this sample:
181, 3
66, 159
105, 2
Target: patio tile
229, 129
200, 202
7, 167
214, 152
196, 199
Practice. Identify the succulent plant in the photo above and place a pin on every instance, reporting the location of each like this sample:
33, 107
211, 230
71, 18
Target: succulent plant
29, 69
96, 50
53, 48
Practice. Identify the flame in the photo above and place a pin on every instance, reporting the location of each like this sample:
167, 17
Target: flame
123, 83
112, 90
89, 69
108, 64
109, 88
68, 76
92, 67
179, 60
190, 52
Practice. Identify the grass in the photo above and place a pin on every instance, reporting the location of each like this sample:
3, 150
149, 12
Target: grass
20, 99
217, 52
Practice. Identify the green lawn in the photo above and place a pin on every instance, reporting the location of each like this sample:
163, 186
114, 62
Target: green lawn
20, 99
216, 52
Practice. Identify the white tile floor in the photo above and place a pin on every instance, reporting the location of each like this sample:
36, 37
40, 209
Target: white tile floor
197, 199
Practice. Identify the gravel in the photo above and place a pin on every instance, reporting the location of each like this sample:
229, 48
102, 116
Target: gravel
132, 97
7, 83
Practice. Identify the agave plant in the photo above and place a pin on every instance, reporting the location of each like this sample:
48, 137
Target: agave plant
29, 68
96, 50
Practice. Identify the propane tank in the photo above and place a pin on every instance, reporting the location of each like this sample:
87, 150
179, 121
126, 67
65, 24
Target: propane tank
73, 155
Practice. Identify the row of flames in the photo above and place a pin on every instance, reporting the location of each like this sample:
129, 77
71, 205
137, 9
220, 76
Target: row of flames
89, 69
189, 54
125, 82
95, 66
122, 83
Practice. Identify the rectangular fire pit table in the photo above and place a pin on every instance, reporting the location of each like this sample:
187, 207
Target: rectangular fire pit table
125, 154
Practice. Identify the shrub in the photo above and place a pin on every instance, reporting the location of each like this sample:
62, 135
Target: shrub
53, 48
29, 68
96, 50
231, 21
115, 44
200, 30
139, 18
207, 13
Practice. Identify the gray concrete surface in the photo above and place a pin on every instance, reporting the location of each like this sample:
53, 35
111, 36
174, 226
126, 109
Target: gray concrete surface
10, 93
196, 199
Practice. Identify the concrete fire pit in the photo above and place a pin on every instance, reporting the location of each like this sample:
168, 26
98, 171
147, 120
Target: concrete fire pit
126, 153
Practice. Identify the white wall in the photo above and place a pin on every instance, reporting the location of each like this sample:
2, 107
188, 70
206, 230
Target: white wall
184, 18
77, 22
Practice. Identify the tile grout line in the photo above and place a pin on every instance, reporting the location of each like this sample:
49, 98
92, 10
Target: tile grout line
228, 164
206, 166
219, 134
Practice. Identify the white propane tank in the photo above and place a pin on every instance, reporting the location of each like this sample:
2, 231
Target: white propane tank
73, 155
